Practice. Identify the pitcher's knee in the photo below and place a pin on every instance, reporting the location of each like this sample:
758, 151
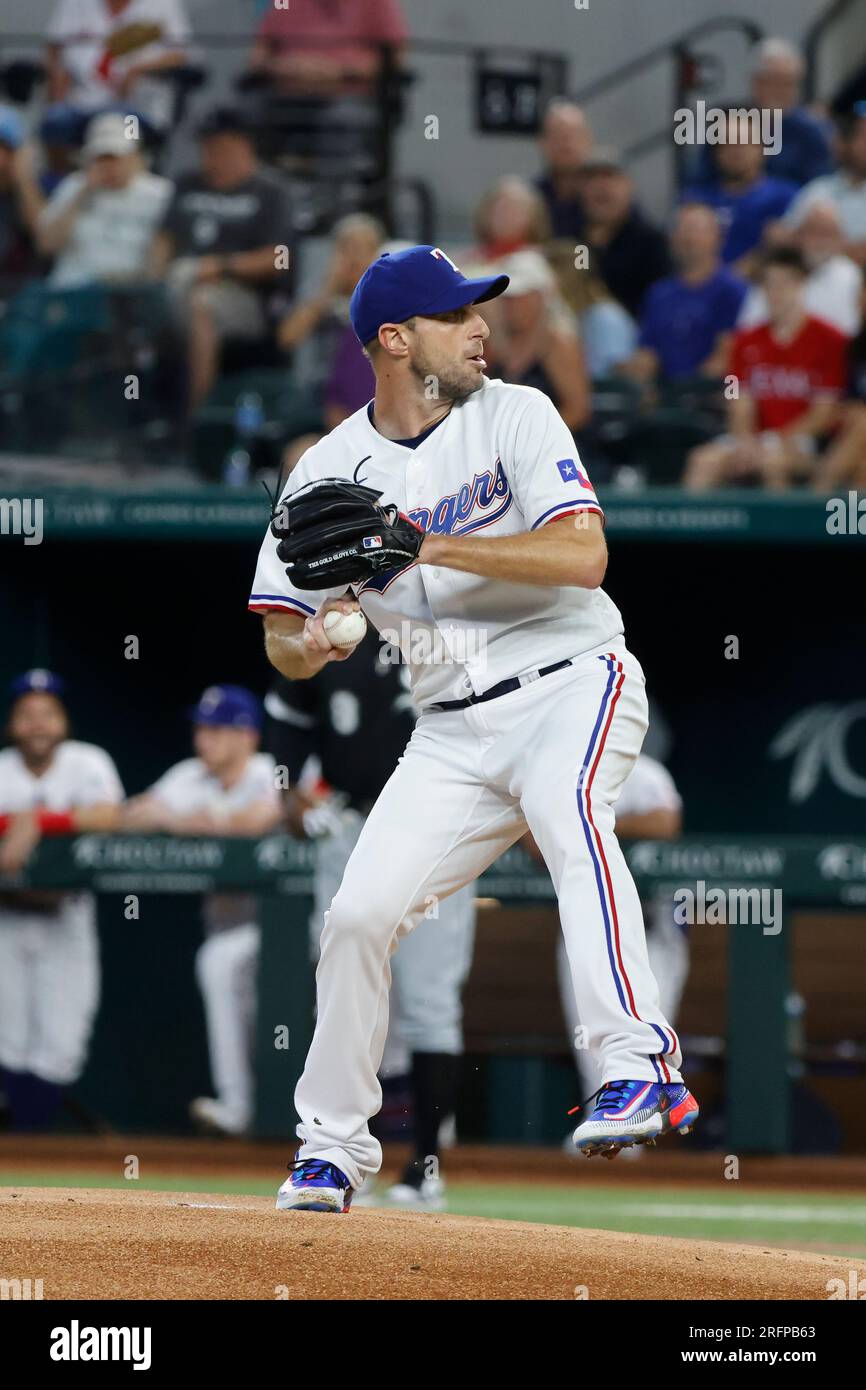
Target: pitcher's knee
350, 921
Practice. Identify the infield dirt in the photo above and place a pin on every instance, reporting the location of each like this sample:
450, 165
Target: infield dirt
106, 1244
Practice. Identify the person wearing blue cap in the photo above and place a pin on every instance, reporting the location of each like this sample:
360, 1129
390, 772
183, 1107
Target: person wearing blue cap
21, 202
480, 559
49, 957
228, 788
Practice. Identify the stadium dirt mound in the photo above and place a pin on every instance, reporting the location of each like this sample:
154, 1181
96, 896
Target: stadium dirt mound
106, 1244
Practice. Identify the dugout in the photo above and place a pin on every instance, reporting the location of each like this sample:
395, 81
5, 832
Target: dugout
766, 739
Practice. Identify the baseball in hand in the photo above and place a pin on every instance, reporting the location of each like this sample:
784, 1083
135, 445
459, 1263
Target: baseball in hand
344, 629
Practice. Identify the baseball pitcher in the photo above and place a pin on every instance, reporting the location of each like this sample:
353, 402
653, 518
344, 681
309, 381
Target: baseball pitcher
457, 511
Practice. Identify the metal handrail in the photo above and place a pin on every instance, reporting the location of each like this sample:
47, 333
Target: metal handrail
665, 50
815, 36
675, 50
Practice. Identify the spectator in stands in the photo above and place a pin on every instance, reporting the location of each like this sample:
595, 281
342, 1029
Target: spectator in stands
777, 79
608, 334
846, 189
99, 223
790, 373
851, 93
324, 61
351, 382
317, 50
20, 205
844, 463
223, 244
510, 216
777, 85
312, 329
625, 249
101, 52
319, 329
834, 286
747, 199
60, 131
535, 343
687, 319
566, 142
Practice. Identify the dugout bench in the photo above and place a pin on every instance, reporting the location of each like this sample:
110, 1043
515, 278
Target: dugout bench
809, 871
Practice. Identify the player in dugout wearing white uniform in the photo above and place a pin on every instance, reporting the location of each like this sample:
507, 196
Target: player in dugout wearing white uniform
50, 784
228, 788
486, 556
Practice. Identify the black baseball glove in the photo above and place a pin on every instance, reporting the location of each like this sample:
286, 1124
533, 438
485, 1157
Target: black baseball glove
334, 532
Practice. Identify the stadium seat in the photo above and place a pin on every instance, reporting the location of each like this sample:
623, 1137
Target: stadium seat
660, 442
43, 330
288, 411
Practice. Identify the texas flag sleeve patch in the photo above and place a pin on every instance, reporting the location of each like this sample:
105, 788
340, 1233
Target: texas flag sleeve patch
570, 472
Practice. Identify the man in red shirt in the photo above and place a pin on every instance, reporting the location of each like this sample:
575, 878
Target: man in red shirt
319, 62
785, 379
321, 49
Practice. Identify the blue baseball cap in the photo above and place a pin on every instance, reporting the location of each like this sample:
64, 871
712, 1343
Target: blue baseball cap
11, 128
37, 682
230, 706
419, 280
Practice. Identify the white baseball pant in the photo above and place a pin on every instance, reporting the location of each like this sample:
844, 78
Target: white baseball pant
431, 968
49, 989
668, 951
552, 756
226, 964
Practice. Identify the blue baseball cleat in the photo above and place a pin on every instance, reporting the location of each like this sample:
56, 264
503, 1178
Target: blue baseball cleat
315, 1185
635, 1112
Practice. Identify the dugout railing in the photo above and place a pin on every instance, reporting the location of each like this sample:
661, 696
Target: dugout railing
810, 871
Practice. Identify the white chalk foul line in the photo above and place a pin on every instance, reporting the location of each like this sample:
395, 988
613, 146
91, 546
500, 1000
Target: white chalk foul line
213, 1206
747, 1212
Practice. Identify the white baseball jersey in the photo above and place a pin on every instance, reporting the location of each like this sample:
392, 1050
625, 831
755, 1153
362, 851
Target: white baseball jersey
502, 462
49, 957
648, 787
80, 775
188, 787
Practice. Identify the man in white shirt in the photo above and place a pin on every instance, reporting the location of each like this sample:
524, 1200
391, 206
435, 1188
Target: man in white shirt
100, 222
104, 51
49, 954
228, 788
846, 189
834, 284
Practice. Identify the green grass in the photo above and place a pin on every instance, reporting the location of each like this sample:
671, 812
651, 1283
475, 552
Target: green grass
703, 1213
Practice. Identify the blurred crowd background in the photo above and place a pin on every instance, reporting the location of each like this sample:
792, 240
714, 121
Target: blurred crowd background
189, 191
184, 213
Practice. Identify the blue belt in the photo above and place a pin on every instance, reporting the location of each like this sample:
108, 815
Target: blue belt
503, 688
